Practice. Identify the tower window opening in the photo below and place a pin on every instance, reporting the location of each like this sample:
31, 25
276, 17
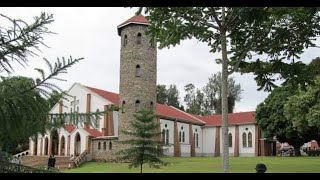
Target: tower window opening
125, 40
151, 105
138, 71
137, 106
139, 38
123, 106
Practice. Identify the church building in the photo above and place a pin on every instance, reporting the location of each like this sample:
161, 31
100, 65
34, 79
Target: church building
182, 133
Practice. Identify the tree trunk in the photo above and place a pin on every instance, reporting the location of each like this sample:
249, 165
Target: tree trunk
297, 151
224, 88
141, 167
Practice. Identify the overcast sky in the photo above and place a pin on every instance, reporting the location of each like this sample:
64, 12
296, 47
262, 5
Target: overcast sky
91, 33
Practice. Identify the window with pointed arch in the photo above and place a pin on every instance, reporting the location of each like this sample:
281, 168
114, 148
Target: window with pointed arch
151, 105
137, 106
249, 139
104, 146
181, 135
230, 140
139, 37
244, 139
125, 40
196, 138
123, 106
167, 137
138, 70
163, 136
99, 145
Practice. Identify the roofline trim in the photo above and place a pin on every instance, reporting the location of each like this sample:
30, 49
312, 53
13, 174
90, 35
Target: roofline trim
188, 114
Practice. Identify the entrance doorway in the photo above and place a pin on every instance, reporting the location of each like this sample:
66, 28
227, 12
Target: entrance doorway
77, 145
55, 142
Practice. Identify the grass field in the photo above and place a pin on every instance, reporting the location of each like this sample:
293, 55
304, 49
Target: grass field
211, 165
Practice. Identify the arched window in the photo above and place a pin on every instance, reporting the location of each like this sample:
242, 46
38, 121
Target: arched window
163, 136
123, 106
139, 38
230, 140
180, 136
99, 145
104, 146
137, 105
249, 139
197, 144
77, 108
125, 40
167, 136
183, 136
151, 105
244, 139
138, 71
110, 145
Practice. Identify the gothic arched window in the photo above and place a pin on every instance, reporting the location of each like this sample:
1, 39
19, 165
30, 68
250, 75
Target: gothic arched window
104, 146
167, 136
249, 139
230, 140
110, 145
125, 40
244, 139
139, 38
99, 145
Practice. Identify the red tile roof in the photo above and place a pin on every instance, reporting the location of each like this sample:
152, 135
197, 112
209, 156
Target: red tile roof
172, 112
137, 19
233, 118
69, 127
161, 109
93, 132
110, 96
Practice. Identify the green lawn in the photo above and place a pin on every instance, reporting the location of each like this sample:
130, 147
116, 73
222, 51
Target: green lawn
211, 165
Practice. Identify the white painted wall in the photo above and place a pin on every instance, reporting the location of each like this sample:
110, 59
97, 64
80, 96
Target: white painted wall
246, 151
208, 140
83, 138
168, 150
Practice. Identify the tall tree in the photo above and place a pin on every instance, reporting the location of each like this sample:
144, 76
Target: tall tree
279, 33
212, 91
173, 96
23, 115
145, 146
273, 122
304, 110
162, 96
23, 111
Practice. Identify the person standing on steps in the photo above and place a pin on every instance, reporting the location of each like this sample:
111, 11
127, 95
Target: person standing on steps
53, 161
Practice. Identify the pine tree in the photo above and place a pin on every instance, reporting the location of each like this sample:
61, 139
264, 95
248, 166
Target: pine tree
144, 146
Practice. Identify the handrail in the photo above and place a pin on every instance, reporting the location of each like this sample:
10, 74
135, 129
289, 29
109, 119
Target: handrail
80, 158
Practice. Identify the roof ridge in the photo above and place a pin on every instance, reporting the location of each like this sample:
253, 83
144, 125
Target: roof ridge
188, 114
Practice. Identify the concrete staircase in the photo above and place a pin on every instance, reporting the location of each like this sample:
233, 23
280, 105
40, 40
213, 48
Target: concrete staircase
62, 162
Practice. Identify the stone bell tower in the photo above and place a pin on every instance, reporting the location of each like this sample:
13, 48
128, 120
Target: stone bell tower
138, 71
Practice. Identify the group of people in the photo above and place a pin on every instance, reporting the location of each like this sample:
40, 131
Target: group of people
51, 161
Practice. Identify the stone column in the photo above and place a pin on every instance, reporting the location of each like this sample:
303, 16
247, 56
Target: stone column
191, 141
177, 147
256, 142
236, 142
88, 110
217, 142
